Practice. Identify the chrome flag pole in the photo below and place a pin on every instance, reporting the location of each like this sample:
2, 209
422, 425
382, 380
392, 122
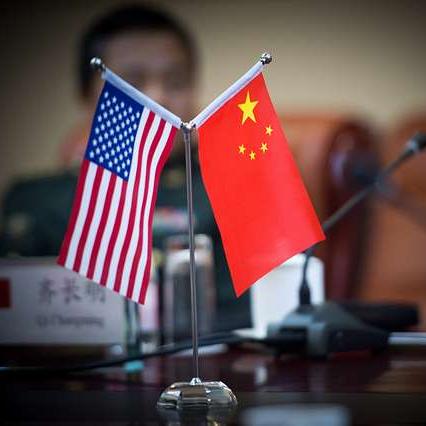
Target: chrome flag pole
187, 129
214, 396
195, 394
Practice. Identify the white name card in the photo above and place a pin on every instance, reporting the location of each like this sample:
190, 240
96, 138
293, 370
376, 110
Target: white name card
43, 303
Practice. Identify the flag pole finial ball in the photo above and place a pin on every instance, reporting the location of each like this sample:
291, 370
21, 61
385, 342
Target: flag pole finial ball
187, 126
97, 64
266, 58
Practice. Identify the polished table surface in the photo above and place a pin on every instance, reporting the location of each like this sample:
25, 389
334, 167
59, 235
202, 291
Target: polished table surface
385, 388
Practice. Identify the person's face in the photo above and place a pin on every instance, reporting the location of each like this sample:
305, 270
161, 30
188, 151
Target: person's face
155, 63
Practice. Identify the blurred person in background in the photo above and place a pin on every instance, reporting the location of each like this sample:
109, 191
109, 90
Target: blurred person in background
154, 53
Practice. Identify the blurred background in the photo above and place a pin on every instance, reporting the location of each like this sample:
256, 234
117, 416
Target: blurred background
366, 58
348, 79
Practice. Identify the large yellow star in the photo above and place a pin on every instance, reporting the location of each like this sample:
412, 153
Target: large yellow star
248, 108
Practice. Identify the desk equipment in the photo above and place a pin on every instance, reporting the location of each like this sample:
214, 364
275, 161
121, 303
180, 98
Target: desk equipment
327, 327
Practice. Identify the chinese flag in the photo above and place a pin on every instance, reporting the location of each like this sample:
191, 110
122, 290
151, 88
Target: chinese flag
260, 204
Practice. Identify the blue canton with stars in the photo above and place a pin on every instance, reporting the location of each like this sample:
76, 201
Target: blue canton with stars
113, 133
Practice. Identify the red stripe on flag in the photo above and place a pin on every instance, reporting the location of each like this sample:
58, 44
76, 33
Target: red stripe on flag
163, 158
74, 213
116, 229
135, 196
111, 242
89, 217
145, 183
102, 225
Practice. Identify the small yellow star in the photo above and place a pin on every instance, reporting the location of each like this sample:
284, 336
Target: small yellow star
241, 149
248, 108
269, 130
264, 147
252, 155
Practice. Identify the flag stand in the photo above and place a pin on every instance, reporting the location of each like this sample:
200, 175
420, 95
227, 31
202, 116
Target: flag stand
211, 397
198, 399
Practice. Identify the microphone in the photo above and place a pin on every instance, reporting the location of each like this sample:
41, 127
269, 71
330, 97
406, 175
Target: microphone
417, 143
410, 206
327, 327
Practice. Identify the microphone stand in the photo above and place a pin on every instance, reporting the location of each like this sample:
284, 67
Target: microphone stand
327, 327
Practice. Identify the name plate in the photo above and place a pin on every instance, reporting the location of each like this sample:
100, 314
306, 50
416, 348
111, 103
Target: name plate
43, 303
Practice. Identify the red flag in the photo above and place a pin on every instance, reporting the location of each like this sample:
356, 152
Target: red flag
260, 204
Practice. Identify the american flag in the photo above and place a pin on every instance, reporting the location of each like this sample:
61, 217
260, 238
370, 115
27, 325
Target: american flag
109, 234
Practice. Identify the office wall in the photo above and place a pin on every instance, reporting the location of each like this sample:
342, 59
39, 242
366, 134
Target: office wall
363, 57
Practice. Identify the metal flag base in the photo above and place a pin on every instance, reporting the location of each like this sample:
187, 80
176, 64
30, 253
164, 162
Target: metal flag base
197, 394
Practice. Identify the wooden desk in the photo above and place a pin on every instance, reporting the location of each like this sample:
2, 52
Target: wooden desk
389, 388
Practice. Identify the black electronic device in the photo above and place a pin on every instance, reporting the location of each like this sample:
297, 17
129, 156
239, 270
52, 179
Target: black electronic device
328, 329
384, 315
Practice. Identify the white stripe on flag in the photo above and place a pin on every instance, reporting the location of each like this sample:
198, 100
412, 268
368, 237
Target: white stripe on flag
81, 219
137, 224
113, 216
127, 206
145, 231
124, 284
94, 225
100, 259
